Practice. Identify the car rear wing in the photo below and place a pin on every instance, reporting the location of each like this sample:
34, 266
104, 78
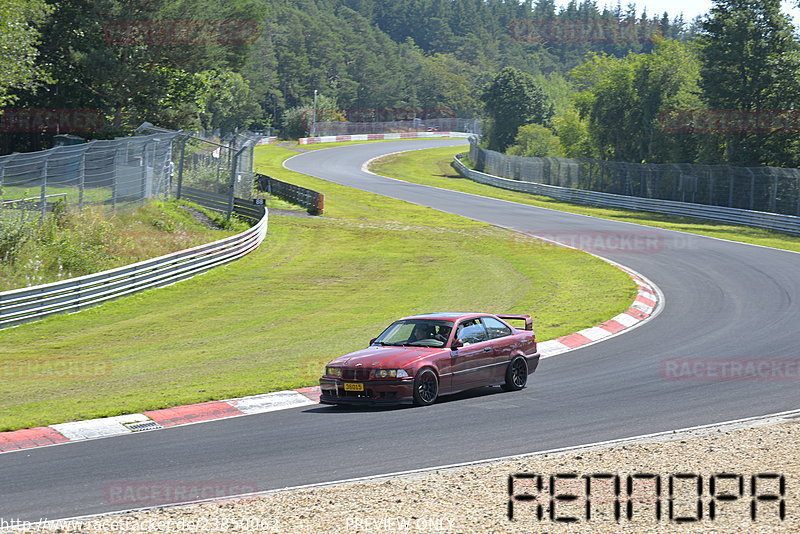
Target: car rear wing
526, 318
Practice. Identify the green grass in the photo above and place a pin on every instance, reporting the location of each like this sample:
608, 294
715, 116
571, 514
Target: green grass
71, 243
317, 288
432, 167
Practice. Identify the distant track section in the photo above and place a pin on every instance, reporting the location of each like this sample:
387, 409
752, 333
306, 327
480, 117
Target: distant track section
382, 137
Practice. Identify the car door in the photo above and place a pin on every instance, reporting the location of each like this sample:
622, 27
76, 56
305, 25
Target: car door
472, 363
503, 345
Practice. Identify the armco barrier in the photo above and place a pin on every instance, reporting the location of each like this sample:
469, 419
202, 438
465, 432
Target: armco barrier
220, 202
379, 137
759, 219
27, 304
311, 200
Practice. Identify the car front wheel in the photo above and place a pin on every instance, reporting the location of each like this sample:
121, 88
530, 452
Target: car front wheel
516, 375
426, 387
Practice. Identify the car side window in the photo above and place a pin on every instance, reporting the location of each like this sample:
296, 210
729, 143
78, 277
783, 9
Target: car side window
495, 328
471, 331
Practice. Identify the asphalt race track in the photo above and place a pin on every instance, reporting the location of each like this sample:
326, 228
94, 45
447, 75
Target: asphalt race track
723, 300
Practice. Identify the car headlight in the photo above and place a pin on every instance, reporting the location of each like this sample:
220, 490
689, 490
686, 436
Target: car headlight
391, 373
333, 371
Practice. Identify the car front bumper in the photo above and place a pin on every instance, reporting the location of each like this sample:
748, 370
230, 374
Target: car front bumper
375, 392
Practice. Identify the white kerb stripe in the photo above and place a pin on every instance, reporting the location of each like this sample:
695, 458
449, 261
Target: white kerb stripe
595, 333
625, 319
96, 428
269, 402
551, 347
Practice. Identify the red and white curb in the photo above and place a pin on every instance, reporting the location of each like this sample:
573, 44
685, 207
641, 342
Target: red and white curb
155, 419
379, 137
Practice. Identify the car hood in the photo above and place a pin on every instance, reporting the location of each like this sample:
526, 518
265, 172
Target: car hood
384, 357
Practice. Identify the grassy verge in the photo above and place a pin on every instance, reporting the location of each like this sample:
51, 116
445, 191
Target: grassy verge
71, 243
432, 167
317, 288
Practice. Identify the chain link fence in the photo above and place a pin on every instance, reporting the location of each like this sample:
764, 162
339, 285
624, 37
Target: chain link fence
125, 171
213, 167
768, 189
415, 125
114, 173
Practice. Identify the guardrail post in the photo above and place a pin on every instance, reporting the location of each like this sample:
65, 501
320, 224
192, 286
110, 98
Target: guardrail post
144, 170
774, 193
181, 165
797, 188
81, 180
234, 173
2, 176
730, 191
43, 200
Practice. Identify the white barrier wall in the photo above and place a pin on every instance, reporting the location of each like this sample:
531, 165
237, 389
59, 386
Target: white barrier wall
380, 137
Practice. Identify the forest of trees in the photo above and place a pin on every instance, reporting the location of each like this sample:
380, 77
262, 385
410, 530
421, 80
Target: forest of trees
595, 81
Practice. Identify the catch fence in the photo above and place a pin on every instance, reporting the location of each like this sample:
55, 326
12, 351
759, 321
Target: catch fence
765, 189
126, 171
115, 173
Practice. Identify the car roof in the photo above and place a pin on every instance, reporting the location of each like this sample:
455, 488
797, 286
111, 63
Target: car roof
446, 316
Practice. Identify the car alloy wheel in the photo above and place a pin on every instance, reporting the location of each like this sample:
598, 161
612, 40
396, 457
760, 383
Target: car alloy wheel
516, 374
426, 387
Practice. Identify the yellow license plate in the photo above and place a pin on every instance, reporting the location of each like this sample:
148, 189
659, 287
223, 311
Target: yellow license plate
354, 387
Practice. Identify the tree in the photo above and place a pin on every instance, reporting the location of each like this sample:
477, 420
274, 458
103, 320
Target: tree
624, 99
512, 99
573, 132
536, 141
750, 63
298, 120
121, 56
19, 37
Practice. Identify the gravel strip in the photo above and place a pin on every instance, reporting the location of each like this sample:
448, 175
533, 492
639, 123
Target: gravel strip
475, 499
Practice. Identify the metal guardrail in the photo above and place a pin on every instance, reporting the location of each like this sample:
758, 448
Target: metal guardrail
28, 304
219, 202
759, 219
313, 201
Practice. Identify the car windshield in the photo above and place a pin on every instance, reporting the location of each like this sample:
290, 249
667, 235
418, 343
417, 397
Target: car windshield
416, 333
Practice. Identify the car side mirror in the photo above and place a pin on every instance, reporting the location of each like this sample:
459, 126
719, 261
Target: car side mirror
371, 341
456, 344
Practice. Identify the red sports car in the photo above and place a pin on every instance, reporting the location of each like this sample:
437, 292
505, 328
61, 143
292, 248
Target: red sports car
421, 357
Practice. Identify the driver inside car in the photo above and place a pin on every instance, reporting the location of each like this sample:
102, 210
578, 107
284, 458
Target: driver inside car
422, 331
429, 331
